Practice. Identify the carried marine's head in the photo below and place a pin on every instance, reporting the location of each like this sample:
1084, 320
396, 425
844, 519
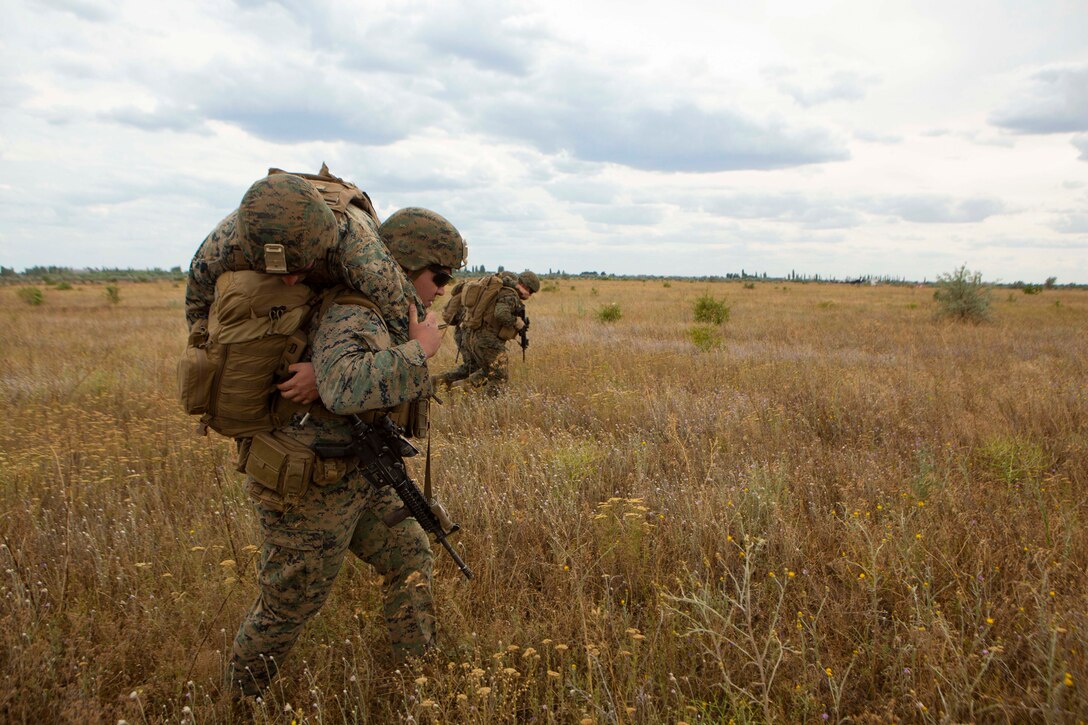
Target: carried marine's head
420, 238
530, 281
284, 225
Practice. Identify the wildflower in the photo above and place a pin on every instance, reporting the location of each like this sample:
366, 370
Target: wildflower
461, 697
483, 691
918, 536
791, 574
1068, 679
561, 648
529, 652
421, 680
429, 703
827, 671
989, 620
553, 673
861, 575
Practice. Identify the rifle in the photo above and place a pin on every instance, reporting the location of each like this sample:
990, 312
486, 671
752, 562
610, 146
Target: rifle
523, 333
380, 449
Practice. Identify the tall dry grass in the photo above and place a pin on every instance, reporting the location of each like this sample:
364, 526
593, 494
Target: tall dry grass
831, 507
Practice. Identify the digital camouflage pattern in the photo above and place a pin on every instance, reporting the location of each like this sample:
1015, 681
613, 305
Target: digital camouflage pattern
303, 551
364, 361
286, 210
360, 366
420, 237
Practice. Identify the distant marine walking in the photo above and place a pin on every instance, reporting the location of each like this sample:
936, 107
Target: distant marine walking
488, 313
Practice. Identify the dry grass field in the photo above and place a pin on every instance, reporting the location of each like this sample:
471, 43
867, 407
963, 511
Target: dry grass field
829, 508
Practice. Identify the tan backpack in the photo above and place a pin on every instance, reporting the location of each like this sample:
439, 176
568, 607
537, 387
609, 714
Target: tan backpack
257, 327
453, 312
340, 195
478, 298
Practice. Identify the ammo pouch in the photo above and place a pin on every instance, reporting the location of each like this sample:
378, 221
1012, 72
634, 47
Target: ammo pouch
196, 373
287, 468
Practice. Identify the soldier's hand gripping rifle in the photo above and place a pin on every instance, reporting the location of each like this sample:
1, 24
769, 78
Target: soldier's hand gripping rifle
523, 333
380, 449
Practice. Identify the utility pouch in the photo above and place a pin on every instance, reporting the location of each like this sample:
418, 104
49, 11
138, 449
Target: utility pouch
419, 418
507, 333
281, 464
196, 377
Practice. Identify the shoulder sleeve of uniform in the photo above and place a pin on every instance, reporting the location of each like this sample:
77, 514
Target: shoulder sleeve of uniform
357, 366
507, 304
208, 263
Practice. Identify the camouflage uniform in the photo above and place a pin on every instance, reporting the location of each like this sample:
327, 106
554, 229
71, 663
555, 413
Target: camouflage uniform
483, 350
363, 361
360, 366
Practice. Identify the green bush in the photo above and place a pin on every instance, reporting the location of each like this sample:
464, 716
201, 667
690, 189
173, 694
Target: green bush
31, 295
63, 286
749, 285
666, 284
962, 296
705, 338
1033, 289
708, 309
113, 293
610, 312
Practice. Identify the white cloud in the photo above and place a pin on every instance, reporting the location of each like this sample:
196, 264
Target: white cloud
1056, 101
696, 137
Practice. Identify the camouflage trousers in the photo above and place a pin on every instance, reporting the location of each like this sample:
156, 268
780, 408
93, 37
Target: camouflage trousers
303, 550
484, 358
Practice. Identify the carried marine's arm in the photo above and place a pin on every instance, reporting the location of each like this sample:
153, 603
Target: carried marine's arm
209, 262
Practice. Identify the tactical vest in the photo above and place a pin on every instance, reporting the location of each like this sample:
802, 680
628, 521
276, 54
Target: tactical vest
478, 300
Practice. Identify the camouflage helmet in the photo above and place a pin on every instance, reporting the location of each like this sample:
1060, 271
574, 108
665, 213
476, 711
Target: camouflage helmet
284, 225
529, 281
418, 238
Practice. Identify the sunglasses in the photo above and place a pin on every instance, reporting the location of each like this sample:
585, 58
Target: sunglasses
442, 275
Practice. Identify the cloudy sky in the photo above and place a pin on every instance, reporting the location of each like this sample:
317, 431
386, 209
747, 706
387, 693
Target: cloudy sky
686, 137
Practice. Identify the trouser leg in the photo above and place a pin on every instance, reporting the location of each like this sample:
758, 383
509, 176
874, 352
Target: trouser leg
402, 555
302, 553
